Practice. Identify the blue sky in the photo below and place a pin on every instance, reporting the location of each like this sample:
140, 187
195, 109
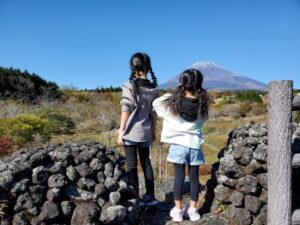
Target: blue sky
89, 43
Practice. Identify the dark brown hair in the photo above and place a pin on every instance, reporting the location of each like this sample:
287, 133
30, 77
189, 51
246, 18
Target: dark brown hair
140, 62
190, 80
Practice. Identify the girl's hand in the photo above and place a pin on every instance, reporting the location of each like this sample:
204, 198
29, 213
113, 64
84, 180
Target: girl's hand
120, 137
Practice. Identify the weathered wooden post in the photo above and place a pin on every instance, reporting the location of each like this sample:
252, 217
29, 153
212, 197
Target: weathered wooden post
279, 152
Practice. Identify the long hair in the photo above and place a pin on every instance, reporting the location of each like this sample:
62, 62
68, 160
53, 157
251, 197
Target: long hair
140, 62
190, 80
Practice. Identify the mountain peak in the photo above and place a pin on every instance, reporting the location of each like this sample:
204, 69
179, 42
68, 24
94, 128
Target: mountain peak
204, 64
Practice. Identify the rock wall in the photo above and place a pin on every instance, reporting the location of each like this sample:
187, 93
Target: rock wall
86, 184
66, 184
241, 186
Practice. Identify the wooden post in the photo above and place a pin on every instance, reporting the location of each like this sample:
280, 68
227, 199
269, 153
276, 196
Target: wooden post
279, 152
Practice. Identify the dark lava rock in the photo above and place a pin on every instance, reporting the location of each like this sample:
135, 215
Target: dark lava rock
114, 197
21, 186
252, 204
96, 164
237, 198
100, 189
84, 170
57, 180
255, 167
111, 184
6, 179
261, 153
247, 185
113, 213
230, 168
243, 155
49, 211
67, 208
263, 180
40, 175
223, 193
109, 170
242, 216
85, 213
72, 174
53, 194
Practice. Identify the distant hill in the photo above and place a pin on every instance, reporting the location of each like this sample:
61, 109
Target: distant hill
218, 78
24, 86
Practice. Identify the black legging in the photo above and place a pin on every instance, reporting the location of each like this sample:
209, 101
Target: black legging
131, 159
179, 171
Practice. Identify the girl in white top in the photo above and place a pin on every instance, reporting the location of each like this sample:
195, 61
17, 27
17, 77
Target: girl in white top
183, 114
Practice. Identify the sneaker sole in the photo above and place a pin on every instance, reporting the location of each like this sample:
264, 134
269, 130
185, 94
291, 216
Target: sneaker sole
195, 219
177, 220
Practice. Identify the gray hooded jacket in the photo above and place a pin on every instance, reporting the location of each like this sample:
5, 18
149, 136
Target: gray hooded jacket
139, 125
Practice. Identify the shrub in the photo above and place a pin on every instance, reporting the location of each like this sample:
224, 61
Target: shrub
249, 96
236, 110
244, 109
22, 128
208, 129
6, 145
257, 109
215, 112
57, 123
228, 99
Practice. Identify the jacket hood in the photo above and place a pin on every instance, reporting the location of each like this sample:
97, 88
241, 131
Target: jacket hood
189, 108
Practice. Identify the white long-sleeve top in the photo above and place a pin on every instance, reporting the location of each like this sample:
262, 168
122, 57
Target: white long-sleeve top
176, 130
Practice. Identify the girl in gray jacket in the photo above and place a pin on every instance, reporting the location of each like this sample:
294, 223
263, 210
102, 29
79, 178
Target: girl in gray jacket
137, 126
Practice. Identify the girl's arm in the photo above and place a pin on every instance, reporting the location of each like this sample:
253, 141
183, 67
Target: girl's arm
159, 105
124, 118
127, 106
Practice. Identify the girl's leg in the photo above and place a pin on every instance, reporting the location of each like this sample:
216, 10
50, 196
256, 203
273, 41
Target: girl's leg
147, 170
195, 185
131, 159
178, 183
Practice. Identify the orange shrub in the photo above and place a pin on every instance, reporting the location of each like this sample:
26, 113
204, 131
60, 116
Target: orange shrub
6, 145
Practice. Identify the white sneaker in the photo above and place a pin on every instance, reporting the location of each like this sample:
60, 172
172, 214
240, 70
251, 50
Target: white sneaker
176, 214
193, 214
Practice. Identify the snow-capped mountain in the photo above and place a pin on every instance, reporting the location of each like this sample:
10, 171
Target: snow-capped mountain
219, 79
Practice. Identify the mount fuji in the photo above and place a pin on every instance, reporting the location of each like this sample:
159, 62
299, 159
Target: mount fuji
218, 78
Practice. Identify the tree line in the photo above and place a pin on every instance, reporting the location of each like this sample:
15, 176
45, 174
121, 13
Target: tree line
26, 86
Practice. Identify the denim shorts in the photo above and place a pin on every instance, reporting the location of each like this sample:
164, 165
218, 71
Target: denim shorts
145, 144
185, 155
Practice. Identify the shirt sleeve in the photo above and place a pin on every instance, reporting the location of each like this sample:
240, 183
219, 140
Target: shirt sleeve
128, 103
159, 105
